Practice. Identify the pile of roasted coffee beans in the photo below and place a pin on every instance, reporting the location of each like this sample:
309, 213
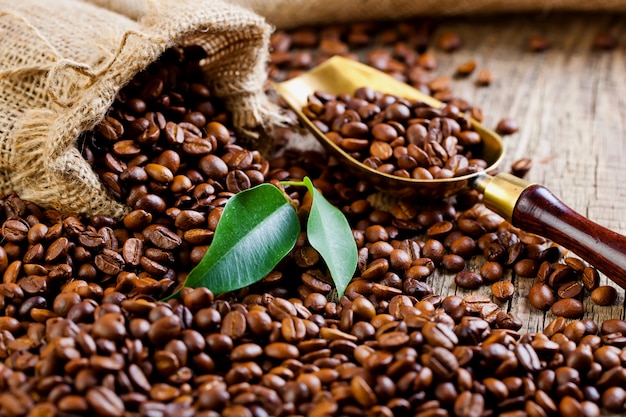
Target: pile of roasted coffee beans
83, 331
405, 138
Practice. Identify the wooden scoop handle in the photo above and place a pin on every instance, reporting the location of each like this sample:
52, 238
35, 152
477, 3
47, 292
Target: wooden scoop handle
538, 211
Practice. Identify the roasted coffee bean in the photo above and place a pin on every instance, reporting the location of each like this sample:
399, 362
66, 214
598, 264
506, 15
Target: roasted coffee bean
438, 334
507, 126
485, 77
570, 290
442, 362
362, 392
449, 41
520, 167
604, 295
162, 237
568, 307
109, 262
464, 246
439, 230
538, 43
132, 251
469, 404
281, 350
526, 268
495, 252
561, 274
541, 297
15, 230
468, 279
590, 278
465, 68
433, 250
492, 271
164, 329
110, 326
503, 290
453, 263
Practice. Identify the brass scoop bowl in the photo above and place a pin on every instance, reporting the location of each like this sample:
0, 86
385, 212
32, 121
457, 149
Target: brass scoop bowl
526, 205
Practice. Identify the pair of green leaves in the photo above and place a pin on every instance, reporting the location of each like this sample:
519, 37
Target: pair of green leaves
259, 227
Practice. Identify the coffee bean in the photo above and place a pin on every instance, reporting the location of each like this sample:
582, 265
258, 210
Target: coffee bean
507, 126
73, 404
362, 308
469, 404
15, 230
560, 275
449, 41
293, 329
503, 290
590, 278
483, 78
159, 173
570, 290
613, 399
281, 350
604, 295
442, 362
150, 203
453, 263
568, 307
520, 167
438, 334
132, 251
468, 280
111, 128
464, 246
109, 262
162, 237
492, 271
538, 43
164, 329
526, 268
110, 326
466, 68
362, 392
541, 297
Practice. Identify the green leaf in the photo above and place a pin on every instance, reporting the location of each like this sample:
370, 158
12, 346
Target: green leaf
330, 234
257, 229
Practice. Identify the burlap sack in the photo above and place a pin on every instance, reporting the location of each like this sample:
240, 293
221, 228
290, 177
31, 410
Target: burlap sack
63, 61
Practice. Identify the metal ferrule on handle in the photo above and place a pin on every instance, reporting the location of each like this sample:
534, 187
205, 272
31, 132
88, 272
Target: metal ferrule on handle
501, 192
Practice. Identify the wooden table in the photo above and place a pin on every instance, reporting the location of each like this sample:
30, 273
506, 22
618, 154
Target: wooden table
570, 101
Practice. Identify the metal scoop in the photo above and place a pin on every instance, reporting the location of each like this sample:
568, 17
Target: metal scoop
526, 205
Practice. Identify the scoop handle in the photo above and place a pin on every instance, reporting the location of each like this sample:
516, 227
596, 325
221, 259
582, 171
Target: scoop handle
533, 208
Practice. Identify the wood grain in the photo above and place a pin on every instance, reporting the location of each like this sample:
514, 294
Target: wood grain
570, 101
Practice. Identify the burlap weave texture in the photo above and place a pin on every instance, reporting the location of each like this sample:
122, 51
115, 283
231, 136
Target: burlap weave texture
62, 63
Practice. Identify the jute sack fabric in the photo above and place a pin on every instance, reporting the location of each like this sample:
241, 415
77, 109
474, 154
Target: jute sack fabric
62, 62
286, 14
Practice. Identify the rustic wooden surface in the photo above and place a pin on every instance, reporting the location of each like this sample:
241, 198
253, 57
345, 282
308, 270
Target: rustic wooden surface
570, 101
